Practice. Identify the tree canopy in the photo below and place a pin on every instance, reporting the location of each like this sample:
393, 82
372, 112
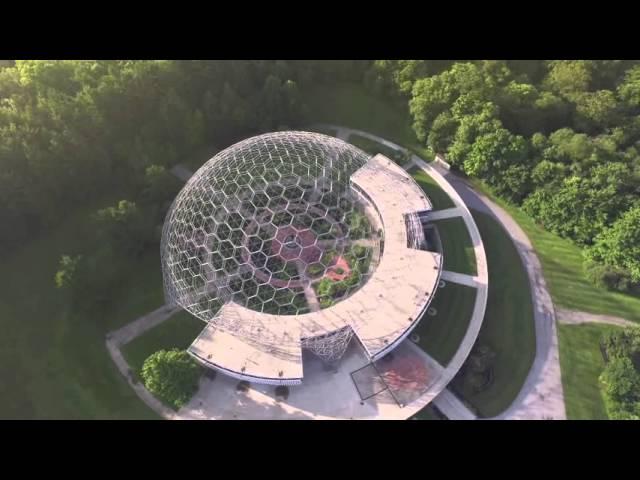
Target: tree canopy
70, 130
560, 138
621, 376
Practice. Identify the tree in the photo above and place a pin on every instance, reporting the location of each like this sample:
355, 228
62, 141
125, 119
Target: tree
498, 157
619, 245
596, 110
172, 376
629, 89
66, 276
442, 132
621, 382
569, 77
620, 343
125, 227
548, 174
494, 151
596, 200
160, 187
89, 279
475, 119
433, 95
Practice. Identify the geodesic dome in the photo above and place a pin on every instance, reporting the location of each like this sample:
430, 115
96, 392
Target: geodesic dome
271, 224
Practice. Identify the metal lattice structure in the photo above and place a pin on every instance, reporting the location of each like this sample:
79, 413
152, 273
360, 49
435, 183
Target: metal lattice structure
271, 224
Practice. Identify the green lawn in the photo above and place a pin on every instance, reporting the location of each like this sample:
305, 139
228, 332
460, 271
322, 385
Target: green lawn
373, 148
179, 331
53, 362
440, 335
350, 105
581, 363
458, 250
428, 413
439, 198
508, 327
562, 265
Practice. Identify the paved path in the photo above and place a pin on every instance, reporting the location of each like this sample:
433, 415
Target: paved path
446, 213
141, 391
124, 335
452, 407
461, 278
541, 396
141, 325
572, 317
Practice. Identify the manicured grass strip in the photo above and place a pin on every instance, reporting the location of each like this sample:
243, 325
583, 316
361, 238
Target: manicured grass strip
373, 148
179, 331
508, 327
439, 198
441, 334
457, 247
581, 363
562, 265
428, 413
350, 105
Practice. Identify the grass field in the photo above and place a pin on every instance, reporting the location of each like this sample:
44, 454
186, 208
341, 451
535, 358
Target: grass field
53, 362
372, 147
457, 247
428, 413
179, 331
326, 130
562, 266
508, 326
440, 335
350, 105
582, 363
439, 198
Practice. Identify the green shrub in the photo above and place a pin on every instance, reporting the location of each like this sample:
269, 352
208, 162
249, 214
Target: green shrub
606, 276
172, 376
621, 376
621, 383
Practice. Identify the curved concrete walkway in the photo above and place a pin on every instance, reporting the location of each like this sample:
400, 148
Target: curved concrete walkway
124, 335
572, 317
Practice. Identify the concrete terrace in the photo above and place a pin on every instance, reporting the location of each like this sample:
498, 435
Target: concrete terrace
381, 313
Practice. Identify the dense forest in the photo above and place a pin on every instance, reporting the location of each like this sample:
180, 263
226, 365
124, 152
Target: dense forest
559, 138
70, 130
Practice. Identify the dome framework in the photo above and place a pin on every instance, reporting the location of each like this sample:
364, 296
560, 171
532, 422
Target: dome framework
273, 225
